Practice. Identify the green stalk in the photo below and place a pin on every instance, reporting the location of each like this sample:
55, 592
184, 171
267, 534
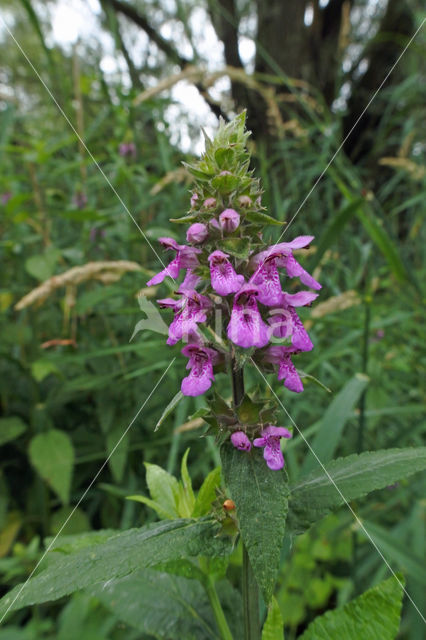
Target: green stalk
250, 588
225, 632
362, 401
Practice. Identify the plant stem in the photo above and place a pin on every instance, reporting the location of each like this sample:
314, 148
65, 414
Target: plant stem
225, 632
366, 335
250, 600
250, 589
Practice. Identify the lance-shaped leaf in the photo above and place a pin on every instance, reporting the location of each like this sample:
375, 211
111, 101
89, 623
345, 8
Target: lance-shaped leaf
316, 494
119, 556
261, 498
273, 629
375, 614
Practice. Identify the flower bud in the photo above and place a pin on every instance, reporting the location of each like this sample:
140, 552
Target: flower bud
229, 220
197, 233
245, 201
240, 441
209, 203
194, 199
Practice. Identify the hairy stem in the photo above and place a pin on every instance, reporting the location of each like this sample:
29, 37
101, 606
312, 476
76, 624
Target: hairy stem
219, 616
250, 588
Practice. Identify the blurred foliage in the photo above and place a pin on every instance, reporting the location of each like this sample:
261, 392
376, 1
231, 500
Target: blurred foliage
72, 383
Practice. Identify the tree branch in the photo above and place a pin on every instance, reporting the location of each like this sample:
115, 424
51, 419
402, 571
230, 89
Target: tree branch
164, 45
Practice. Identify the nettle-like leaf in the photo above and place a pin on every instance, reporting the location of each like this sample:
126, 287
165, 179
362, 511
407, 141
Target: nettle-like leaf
375, 614
52, 454
159, 604
168, 606
314, 495
118, 556
261, 498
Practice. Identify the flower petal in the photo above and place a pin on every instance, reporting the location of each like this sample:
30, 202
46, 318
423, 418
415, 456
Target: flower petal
273, 454
240, 441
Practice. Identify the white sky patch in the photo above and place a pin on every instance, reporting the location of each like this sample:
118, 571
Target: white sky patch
74, 19
309, 15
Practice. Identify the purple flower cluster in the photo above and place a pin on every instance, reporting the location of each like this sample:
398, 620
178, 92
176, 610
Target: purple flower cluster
259, 312
270, 442
229, 297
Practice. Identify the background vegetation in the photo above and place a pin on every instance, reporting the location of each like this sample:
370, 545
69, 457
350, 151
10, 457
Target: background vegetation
71, 382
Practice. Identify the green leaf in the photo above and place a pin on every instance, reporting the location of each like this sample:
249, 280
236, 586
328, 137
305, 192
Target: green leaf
117, 461
397, 552
273, 629
163, 487
186, 494
184, 219
262, 218
375, 614
119, 556
225, 183
237, 247
42, 368
314, 495
170, 407
207, 493
42, 266
225, 157
11, 428
261, 498
162, 513
52, 454
160, 605
328, 435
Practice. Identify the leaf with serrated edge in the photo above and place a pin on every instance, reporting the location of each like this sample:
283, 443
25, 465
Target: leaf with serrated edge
373, 615
117, 557
261, 498
356, 475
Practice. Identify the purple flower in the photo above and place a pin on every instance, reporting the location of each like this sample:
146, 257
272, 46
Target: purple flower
194, 198
189, 311
127, 149
197, 233
246, 327
270, 440
229, 220
5, 197
223, 277
185, 258
190, 282
240, 441
214, 223
200, 363
282, 256
209, 203
267, 278
285, 322
286, 370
